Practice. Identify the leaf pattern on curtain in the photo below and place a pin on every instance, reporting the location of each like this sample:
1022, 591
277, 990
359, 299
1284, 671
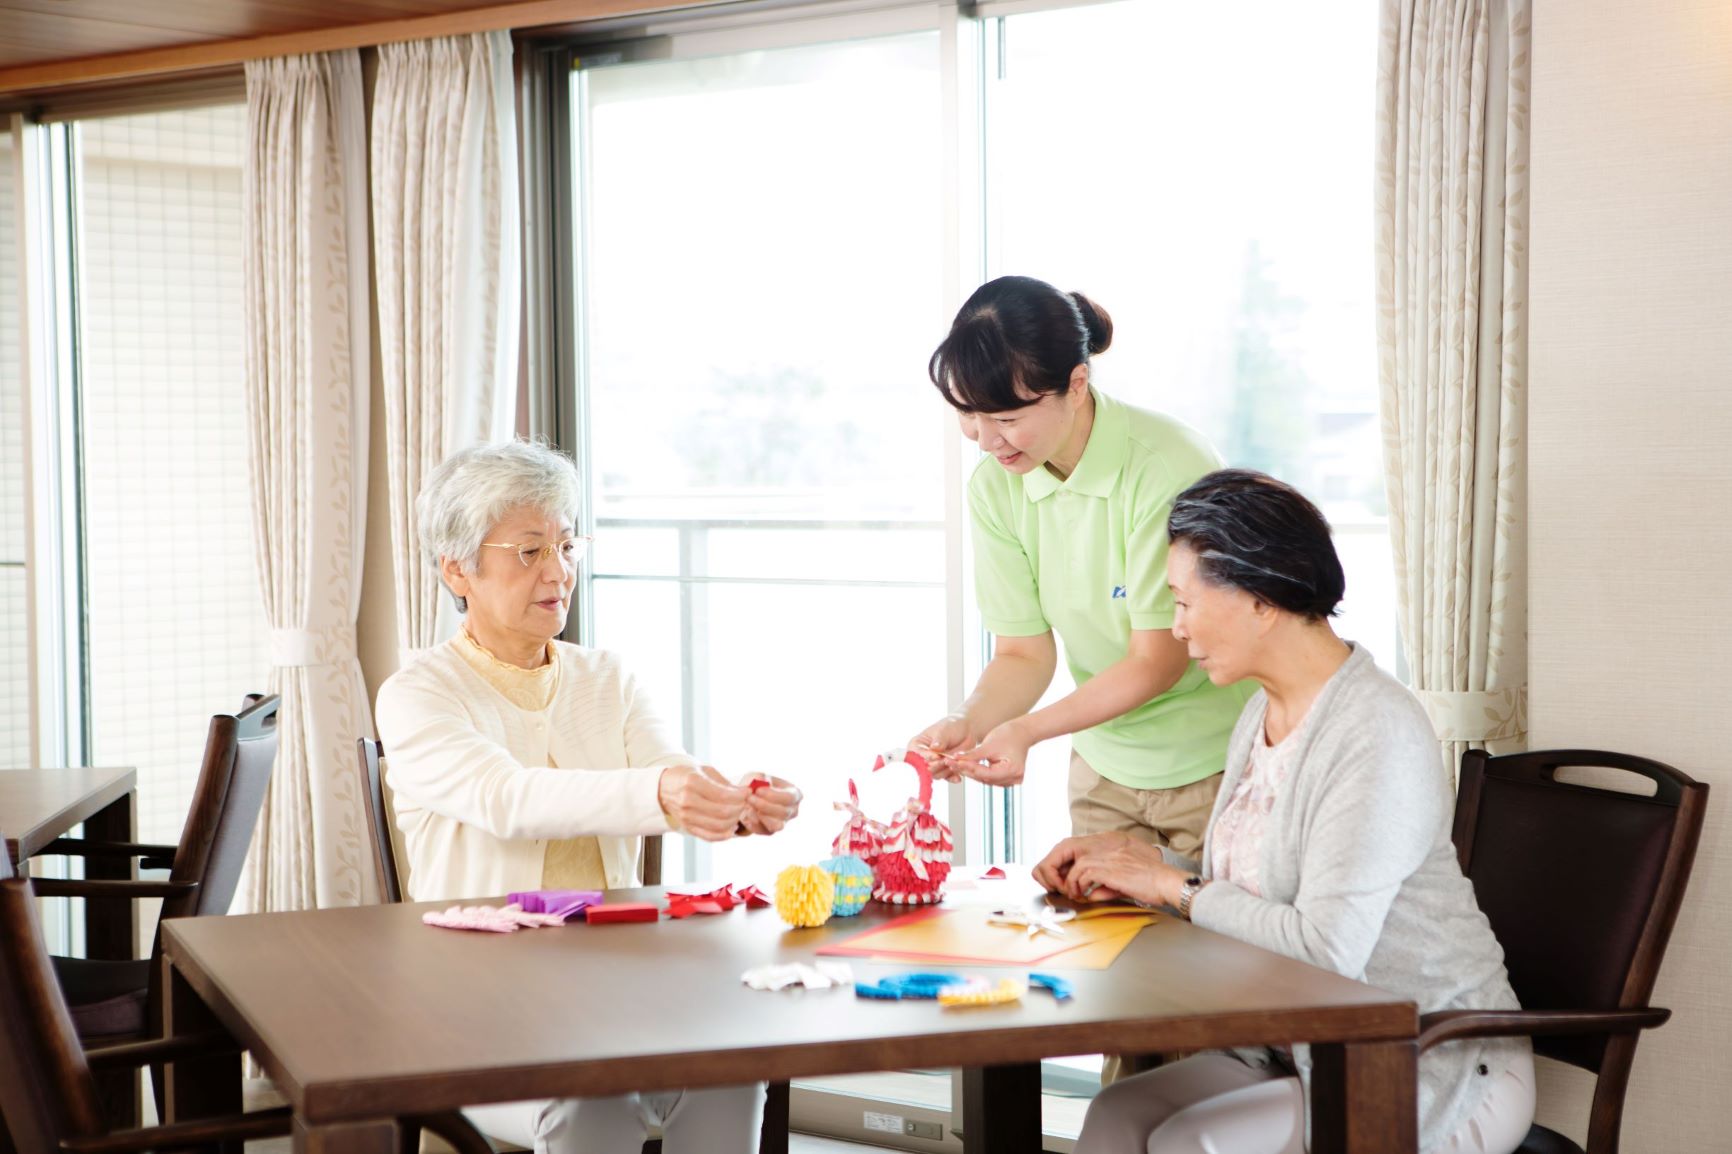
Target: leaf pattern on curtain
307, 335
446, 237
1452, 228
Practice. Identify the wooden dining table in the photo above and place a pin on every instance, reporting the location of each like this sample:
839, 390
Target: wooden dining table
39, 805
363, 1015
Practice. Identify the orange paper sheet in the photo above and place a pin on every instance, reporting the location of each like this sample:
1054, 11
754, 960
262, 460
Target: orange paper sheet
965, 937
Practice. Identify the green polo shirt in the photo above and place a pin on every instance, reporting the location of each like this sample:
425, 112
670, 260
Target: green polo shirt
1086, 558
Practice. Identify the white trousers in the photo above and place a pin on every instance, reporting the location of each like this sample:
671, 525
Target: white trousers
725, 1120
1216, 1104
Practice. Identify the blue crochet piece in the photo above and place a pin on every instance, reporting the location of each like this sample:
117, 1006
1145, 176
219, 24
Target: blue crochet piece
899, 987
1060, 987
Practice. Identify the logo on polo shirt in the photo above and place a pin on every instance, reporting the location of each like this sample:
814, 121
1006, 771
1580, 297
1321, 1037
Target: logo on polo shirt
1118, 592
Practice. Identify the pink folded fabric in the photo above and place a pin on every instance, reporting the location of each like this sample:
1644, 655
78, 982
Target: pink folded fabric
489, 919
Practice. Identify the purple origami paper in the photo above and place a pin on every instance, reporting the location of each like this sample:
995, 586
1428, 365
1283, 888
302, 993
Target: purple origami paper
563, 904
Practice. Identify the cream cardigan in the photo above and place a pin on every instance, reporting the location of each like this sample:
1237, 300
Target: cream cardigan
476, 797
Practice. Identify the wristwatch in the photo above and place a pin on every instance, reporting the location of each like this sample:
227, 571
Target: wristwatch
1187, 894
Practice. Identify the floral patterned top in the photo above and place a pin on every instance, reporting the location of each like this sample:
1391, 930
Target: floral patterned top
1237, 839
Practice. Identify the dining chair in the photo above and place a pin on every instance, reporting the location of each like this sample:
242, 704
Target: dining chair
48, 1092
370, 760
118, 999
1581, 882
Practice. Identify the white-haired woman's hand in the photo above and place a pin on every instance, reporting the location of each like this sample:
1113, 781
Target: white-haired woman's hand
771, 803
701, 801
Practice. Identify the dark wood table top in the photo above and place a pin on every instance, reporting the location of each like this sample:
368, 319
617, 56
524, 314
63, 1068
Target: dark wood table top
39, 805
362, 1013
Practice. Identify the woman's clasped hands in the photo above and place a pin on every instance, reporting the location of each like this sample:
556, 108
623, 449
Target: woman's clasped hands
703, 803
1102, 867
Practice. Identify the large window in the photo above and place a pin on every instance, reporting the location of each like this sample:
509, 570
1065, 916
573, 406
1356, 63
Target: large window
14, 634
141, 217
169, 575
763, 265
761, 274
772, 239
1202, 171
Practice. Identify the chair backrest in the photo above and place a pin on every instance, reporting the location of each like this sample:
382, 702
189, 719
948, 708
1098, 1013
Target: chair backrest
240, 752
1581, 884
369, 756
47, 1093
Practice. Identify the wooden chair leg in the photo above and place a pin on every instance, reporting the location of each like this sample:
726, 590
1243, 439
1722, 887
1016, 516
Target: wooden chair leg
122, 1099
773, 1138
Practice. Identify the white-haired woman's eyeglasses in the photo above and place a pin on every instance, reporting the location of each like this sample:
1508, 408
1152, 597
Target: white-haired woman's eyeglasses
569, 551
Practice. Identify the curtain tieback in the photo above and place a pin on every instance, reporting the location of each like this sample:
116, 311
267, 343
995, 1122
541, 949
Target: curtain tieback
1483, 715
295, 647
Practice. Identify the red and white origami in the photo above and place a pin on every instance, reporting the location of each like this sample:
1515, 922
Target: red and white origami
862, 837
915, 857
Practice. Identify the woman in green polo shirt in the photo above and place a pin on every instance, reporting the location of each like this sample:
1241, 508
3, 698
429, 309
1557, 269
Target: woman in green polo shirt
1070, 512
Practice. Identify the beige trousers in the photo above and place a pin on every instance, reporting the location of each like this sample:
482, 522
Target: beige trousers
1175, 818
725, 1120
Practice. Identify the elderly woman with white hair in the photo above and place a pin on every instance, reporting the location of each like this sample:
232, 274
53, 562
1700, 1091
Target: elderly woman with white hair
520, 762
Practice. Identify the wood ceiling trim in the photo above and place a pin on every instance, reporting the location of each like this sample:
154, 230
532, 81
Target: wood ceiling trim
41, 79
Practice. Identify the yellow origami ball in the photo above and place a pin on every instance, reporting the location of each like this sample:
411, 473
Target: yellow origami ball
805, 895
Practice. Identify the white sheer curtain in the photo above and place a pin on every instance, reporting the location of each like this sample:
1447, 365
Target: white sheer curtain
445, 212
1452, 206
307, 316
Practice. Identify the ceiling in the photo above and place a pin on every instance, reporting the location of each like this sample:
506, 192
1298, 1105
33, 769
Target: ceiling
44, 31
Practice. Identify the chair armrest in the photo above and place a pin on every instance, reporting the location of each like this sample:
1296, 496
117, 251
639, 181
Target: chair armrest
1452, 1025
131, 1054
109, 888
182, 1135
78, 847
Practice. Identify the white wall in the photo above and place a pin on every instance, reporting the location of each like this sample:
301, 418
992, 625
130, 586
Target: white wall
1630, 461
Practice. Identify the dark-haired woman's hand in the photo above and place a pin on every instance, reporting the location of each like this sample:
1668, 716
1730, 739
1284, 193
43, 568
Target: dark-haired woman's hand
1001, 757
946, 735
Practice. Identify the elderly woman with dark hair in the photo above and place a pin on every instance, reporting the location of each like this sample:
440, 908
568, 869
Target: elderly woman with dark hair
1329, 842
519, 761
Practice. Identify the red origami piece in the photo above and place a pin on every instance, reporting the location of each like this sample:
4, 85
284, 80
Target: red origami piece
862, 837
915, 859
622, 912
716, 901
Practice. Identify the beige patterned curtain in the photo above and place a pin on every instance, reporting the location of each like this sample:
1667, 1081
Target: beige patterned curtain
446, 238
1452, 208
307, 316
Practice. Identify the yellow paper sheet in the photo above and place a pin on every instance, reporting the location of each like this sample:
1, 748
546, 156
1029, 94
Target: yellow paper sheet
965, 937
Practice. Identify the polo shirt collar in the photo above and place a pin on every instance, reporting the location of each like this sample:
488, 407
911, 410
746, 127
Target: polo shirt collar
1103, 457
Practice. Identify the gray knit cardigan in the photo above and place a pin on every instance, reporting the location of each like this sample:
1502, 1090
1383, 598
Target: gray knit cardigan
1359, 876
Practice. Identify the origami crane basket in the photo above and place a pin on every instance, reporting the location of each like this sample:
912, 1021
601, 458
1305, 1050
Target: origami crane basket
915, 858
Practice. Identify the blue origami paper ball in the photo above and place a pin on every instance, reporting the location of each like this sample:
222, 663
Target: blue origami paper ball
853, 884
